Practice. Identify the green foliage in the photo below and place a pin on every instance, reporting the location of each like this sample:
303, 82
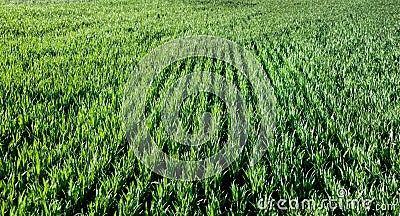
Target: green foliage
334, 65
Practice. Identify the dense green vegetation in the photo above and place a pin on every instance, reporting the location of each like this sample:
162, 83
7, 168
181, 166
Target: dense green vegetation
334, 67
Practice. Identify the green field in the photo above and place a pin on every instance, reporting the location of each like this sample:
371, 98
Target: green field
334, 67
